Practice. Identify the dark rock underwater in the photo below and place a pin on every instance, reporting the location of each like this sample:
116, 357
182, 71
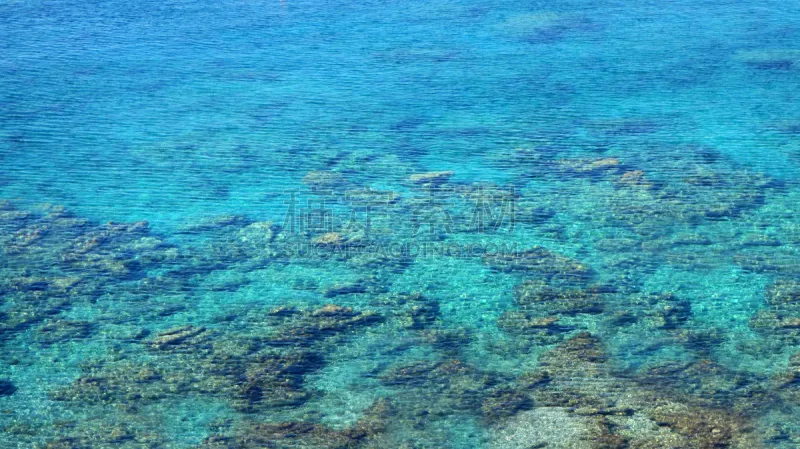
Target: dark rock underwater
376, 225
567, 336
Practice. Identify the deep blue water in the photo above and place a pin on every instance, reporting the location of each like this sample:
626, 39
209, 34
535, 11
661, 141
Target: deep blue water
437, 224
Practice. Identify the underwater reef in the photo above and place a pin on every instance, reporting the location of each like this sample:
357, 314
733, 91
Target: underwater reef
399, 225
584, 353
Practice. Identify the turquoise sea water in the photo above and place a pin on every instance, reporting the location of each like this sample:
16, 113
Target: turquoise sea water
399, 224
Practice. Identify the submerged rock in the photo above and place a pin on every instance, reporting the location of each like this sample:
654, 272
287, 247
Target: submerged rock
215, 223
544, 428
102, 433
242, 369
450, 342
413, 310
423, 372
61, 331
27, 236
780, 263
371, 198
298, 434
332, 310
330, 238
11, 219
536, 295
348, 238
634, 178
785, 59
7, 388
345, 289
783, 293
782, 317
311, 327
584, 357
704, 428
789, 380
431, 178
669, 313
527, 324
579, 350
532, 214
179, 337
658, 310
325, 181
504, 403
538, 260
121, 383
259, 233
708, 383
420, 316
590, 167
434, 389
545, 26
276, 380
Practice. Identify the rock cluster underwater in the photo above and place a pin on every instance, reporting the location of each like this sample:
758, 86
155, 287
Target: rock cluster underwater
117, 336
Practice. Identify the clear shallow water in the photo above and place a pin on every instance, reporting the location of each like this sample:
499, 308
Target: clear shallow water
611, 263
